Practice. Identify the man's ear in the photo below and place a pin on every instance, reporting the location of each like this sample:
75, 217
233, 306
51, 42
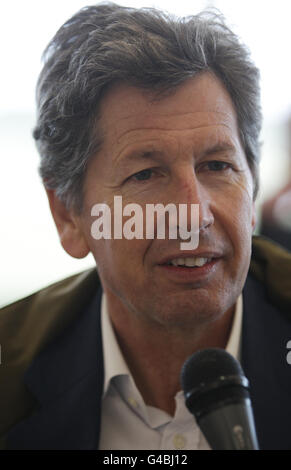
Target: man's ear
69, 227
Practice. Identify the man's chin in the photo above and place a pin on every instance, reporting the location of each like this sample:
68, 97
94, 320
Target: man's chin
187, 316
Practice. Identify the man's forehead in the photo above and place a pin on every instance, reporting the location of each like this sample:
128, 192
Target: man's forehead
200, 101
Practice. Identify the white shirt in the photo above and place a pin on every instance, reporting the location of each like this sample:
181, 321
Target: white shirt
127, 423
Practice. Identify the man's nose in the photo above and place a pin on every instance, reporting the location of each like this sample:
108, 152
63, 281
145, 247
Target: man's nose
189, 191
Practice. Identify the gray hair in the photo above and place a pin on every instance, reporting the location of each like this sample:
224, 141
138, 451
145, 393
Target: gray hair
105, 44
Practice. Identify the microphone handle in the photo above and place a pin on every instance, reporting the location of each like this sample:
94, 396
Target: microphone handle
230, 427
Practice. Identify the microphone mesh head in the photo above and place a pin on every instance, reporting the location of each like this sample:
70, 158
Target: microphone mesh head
207, 366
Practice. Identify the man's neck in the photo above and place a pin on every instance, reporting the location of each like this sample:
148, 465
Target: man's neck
155, 355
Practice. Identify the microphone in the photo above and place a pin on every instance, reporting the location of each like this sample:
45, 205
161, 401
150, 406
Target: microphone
217, 394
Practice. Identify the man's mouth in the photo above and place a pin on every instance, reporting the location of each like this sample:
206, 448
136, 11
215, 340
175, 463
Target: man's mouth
191, 268
191, 262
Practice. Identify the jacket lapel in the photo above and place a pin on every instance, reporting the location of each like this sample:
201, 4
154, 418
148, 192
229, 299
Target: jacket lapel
266, 332
67, 380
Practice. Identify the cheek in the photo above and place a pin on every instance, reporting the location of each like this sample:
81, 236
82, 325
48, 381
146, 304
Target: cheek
242, 230
236, 218
119, 256
121, 268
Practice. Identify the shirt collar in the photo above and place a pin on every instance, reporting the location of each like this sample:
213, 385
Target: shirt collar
114, 363
234, 340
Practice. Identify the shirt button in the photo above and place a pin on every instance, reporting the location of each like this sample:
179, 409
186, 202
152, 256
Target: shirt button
132, 402
179, 441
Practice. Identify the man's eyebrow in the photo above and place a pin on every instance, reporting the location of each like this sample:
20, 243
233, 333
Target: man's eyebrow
141, 154
134, 155
219, 147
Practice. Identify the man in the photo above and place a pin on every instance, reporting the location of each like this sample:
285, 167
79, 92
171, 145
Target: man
155, 110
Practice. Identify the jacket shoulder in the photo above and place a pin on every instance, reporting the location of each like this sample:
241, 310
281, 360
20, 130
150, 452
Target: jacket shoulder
26, 327
271, 265
49, 309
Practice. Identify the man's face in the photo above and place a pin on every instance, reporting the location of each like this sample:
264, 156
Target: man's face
184, 148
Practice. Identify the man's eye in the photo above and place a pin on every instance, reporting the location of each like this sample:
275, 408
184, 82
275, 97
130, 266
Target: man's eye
143, 175
217, 165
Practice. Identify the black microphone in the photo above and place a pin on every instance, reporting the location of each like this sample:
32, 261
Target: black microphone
217, 394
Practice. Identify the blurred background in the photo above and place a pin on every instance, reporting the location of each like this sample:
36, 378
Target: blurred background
31, 256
